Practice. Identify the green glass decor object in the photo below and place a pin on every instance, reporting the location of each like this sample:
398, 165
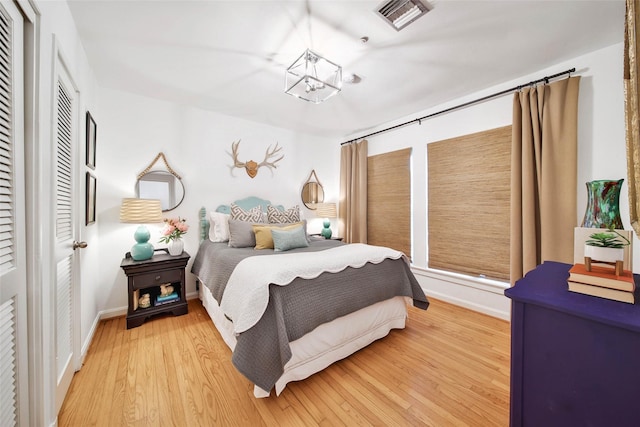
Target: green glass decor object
143, 249
326, 231
603, 204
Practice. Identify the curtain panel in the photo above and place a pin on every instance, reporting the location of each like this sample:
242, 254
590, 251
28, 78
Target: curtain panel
352, 211
543, 175
632, 109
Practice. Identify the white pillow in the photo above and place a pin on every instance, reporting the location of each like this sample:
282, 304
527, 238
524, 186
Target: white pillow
218, 227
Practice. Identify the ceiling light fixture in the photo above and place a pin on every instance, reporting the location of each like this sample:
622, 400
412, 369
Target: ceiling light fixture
400, 13
313, 78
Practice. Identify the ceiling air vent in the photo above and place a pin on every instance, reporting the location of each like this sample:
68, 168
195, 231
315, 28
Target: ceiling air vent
400, 13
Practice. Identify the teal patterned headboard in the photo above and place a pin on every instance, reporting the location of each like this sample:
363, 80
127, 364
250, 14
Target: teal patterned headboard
246, 204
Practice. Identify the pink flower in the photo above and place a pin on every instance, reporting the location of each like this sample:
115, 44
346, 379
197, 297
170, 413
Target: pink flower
174, 229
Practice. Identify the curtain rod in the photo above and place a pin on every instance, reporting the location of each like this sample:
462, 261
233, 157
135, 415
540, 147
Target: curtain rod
466, 104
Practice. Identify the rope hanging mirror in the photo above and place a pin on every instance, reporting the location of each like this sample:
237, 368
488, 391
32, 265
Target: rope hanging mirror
312, 191
165, 185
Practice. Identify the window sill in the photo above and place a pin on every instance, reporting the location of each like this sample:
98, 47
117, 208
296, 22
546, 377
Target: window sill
488, 285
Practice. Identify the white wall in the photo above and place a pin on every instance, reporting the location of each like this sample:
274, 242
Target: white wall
601, 155
133, 129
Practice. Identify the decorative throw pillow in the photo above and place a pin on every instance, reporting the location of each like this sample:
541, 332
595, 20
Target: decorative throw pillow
263, 233
252, 215
275, 215
218, 227
284, 240
241, 234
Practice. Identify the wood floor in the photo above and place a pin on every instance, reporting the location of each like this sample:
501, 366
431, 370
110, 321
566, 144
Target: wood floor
448, 367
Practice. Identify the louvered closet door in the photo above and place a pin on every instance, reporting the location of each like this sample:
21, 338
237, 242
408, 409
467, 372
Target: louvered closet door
65, 230
14, 404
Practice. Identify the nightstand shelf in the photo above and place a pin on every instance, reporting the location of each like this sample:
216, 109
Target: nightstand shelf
146, 277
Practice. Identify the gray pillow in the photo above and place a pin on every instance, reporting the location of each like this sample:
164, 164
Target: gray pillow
241, 233
284, 240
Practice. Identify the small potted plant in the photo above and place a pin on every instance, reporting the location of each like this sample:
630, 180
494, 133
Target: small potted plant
606, 246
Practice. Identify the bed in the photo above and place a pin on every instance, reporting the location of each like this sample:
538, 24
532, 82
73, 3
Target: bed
292, 309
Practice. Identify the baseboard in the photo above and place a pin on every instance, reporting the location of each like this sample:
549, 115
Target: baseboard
481, 295
87, 342
112, 312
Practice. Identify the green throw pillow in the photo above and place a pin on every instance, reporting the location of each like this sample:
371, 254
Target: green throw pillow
284, 240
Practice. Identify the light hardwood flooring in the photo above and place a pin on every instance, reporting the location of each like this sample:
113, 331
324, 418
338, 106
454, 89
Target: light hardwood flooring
448, 367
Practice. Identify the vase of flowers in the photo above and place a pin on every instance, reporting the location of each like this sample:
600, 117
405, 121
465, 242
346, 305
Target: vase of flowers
174, 229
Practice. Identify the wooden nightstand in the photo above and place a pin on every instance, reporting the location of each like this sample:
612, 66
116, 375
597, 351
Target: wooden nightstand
146, 277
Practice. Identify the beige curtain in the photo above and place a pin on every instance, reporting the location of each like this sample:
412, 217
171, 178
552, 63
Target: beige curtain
543, 175
352, 210
632, 109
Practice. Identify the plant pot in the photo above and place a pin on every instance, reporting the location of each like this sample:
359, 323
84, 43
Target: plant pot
175, 247
597, 253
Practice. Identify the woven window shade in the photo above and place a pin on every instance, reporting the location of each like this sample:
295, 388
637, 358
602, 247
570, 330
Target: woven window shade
389, 200
469, 198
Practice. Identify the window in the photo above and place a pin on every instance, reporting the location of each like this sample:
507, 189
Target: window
389, 200
469, 203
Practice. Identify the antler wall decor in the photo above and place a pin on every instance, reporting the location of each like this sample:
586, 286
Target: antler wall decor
252, 167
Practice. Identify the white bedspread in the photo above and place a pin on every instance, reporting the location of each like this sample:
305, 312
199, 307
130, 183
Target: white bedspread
246, 296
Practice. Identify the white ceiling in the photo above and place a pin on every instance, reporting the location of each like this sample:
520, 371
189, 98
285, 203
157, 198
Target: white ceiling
230, 56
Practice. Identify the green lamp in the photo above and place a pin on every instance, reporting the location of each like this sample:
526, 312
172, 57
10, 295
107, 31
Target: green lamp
141, 211
326, 211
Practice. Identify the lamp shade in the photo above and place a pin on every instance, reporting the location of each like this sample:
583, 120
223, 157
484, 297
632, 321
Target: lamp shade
326, 210
141, 211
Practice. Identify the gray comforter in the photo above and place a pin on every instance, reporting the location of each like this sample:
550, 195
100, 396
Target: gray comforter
294, 310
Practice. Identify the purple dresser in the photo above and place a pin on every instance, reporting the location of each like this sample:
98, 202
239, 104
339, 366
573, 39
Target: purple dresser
575, 359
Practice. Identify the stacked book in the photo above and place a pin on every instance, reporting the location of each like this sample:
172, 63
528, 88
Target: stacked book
167, 299
602, 282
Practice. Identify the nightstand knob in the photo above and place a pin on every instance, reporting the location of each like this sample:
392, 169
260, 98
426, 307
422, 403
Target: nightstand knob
158, 278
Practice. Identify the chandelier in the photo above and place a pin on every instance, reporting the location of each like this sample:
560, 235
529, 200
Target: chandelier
313, 78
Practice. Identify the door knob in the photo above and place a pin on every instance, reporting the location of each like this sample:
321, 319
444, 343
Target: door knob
80, 245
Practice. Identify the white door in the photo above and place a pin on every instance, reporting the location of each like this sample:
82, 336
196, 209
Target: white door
65, 230
14, 400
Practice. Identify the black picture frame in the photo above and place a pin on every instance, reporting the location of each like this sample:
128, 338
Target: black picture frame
92, 132
90, 198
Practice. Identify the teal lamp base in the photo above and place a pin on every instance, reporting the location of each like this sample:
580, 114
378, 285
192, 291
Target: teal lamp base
142, 250
326, 231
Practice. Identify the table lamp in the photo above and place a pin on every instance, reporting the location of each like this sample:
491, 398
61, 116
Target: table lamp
326, 211
141, 211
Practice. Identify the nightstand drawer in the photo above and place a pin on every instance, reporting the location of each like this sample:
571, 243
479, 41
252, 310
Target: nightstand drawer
157, 278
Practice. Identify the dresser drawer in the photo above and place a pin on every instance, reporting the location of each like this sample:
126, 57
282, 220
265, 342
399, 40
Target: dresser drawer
157, 278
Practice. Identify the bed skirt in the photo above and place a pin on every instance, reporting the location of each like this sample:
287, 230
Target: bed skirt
327, 343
